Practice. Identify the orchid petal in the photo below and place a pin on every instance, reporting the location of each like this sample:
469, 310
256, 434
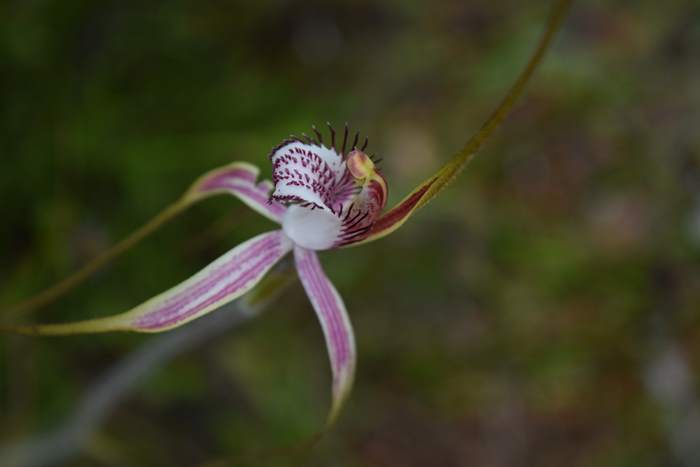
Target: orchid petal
224, 280
310, 174
328, 211
335, 323
315, 229
237, 178
426, 191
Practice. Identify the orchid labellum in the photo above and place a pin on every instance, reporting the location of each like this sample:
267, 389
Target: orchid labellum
325, 194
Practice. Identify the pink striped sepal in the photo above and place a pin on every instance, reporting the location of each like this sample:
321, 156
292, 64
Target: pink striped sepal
335, 323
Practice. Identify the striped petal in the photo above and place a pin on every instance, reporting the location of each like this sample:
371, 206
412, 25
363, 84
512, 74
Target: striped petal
227, 278
239, 179
336, 326
310, 174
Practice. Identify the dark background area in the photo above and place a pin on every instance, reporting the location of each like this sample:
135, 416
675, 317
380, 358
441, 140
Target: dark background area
543, 311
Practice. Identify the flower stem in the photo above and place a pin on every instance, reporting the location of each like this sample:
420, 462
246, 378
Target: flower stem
62, 287
426, 191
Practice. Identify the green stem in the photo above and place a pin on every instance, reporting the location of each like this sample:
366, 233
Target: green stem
450, 170
395, 217
61, 288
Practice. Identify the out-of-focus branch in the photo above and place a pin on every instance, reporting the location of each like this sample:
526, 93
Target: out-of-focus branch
668, 376
69, 438
669, 381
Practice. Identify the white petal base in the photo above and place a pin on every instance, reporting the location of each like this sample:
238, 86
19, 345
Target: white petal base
313, 229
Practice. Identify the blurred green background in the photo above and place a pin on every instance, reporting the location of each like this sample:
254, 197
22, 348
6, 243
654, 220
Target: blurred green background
543, 311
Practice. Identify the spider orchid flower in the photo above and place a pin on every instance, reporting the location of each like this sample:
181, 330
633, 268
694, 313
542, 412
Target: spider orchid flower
324, 195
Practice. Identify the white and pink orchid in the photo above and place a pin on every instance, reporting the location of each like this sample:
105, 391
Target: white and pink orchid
324, 194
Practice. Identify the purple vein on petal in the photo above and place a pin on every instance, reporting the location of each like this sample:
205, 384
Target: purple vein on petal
223, 178
235, 272
260, 196
318, 286
239, 179
334, 322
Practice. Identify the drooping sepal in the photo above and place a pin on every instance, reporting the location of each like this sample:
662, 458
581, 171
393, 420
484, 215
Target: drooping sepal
335, 324
224, 280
